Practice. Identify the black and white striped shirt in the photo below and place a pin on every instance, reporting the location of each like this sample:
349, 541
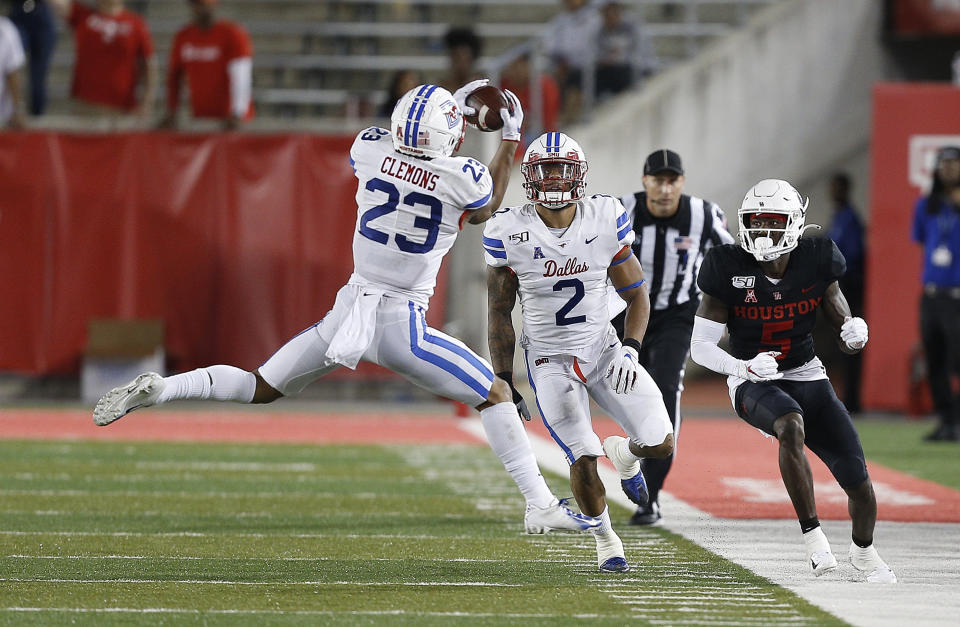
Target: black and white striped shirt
672, 249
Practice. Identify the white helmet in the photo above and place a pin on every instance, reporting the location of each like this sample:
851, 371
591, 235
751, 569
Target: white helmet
427, 123
558, 148
772, 196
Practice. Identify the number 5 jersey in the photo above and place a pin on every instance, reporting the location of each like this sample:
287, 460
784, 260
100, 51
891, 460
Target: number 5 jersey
774, 315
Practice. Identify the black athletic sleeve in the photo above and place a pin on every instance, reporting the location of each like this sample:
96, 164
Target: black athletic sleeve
832, 264
710, 279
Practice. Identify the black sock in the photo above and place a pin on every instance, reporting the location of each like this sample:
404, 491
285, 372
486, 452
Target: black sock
862, 543
809, 524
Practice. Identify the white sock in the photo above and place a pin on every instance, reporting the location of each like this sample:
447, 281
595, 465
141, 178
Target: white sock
509, 441
816, 541
606, 527
221, 383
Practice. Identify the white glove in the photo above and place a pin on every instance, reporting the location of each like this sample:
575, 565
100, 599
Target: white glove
763, 367
854, 333
511, 123
623, 371
460, 96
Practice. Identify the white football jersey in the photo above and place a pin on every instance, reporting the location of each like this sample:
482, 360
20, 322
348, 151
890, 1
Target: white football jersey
563, 280
409, 212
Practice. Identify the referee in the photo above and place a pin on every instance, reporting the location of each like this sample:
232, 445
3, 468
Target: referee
673, 232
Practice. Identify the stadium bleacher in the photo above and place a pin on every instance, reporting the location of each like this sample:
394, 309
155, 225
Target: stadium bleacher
333, 59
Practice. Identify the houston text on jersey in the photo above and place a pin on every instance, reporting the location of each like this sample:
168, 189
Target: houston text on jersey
777, 312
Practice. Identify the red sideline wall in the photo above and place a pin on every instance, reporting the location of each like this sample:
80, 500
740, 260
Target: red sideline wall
917, 118
236, 241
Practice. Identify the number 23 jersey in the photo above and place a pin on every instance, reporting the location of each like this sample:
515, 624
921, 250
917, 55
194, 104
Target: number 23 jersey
563, 280
768, 316
409, 212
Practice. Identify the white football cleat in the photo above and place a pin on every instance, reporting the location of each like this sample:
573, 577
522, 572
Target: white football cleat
556, 516
823, 562
610, 557
868, 561
821, 557
120, 401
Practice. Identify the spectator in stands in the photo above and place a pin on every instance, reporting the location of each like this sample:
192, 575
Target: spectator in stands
11, 60
401, 82
624, 54
846, 231
516, 78
216, 56
38, 30
569, 40
463, 50
936, 226
114, 54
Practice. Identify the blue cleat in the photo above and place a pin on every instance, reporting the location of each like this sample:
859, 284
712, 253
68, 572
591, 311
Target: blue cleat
636, 489
628, 467
615, 565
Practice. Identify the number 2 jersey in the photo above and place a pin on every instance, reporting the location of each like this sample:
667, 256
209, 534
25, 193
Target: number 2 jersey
409, 212
767, 316
563, 280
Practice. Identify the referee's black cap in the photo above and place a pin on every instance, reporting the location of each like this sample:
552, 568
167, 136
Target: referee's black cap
663, 159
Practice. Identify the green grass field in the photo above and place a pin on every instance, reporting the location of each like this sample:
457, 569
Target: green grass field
127, 534
899, 444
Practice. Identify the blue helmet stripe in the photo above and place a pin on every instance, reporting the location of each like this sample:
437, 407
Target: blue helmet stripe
413, 105
553, 142
423, 105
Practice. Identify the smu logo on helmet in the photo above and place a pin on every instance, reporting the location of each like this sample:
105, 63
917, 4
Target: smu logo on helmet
452, 114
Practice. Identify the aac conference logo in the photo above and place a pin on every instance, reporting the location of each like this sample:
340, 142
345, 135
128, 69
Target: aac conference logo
922, 152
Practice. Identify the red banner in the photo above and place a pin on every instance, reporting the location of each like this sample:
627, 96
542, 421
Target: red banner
910, 123
925, 17
236, 241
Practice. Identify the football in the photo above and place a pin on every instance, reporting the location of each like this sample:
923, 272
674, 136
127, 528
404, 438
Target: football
487, 100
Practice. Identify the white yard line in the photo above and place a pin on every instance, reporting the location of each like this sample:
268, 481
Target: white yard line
925, 556
279, 584
333, 613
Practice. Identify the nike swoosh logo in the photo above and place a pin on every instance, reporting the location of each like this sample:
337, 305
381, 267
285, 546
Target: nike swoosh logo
804, 290
592, 238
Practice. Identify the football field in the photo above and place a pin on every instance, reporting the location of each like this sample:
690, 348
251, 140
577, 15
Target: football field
219, 517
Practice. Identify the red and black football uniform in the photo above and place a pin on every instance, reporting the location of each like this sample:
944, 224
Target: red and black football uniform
768, 316
764, 316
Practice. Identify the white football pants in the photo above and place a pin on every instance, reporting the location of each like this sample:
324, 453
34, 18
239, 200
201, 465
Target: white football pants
402, 342
564, 386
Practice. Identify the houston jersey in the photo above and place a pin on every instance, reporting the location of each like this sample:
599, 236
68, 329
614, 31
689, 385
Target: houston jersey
767, 316
409, 212
563, 279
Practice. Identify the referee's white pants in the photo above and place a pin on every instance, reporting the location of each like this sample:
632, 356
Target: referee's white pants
564, 387
402, 342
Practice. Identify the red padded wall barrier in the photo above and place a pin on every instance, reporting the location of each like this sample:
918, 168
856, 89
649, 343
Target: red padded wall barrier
236, 241
906, 117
